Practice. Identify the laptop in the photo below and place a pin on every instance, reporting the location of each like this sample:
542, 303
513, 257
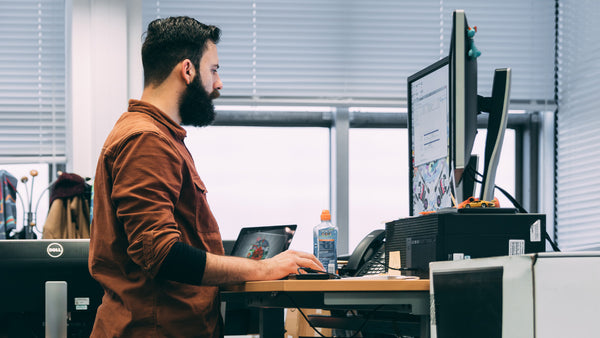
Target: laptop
263, 241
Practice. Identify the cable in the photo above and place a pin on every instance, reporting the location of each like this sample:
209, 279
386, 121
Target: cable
512, 200
516, 204
552, 244
357, 331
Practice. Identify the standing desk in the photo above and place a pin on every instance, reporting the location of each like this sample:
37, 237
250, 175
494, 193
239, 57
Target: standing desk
382, 295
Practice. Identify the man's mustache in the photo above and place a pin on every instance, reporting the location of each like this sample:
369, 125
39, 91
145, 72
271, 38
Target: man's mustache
214, 94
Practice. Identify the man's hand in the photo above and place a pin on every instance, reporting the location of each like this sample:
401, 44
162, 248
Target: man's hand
227, 269
288, 262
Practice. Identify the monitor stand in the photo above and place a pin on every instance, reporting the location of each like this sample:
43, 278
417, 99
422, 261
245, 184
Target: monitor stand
56, 309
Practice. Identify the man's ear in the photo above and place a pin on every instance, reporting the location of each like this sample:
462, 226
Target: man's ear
187, 71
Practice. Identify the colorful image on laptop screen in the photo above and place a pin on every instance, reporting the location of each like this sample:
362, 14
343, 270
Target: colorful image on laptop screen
263, 242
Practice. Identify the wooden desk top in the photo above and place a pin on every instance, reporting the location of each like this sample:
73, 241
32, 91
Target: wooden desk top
331, 285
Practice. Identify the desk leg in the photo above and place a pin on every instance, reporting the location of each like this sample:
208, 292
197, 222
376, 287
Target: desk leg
271, 323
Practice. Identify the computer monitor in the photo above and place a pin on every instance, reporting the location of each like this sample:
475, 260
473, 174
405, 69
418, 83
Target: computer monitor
26, 266
442, 130
465, 105
428, 129
497, 107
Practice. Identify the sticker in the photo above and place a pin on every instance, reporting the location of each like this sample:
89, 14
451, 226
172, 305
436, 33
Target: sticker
81, 307
82, 301
535, 232
516, 247
395, 263
458, 256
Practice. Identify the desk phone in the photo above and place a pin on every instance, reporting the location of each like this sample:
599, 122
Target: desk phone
369, 256
375, 265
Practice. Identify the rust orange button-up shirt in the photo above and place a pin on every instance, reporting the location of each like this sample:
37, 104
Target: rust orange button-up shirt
147, 196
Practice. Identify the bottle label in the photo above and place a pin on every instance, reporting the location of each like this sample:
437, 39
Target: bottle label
327, 247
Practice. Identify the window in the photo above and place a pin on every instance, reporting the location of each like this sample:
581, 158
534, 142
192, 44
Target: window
315, 50
32, 97
339, 54
378, 180
505, 174
32, 81
577, 203
264, 176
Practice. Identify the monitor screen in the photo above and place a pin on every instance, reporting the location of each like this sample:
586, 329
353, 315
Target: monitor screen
468, 303
428, 124
263, 242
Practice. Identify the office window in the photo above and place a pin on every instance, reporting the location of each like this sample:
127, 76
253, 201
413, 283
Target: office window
32, 81
505, 174
330, 53
315, 50
578, 160
264, 176
378, 187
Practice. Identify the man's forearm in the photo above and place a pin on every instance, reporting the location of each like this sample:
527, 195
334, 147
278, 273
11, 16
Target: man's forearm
228, 269
190, 265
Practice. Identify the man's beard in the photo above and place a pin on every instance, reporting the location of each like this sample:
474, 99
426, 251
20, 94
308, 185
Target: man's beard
196, 107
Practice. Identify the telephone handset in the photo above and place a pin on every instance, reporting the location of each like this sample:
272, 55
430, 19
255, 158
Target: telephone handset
368, 256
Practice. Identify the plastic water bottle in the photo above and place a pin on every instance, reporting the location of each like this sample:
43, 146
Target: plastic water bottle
325, 242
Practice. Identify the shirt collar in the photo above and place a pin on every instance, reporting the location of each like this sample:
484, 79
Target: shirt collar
158, 115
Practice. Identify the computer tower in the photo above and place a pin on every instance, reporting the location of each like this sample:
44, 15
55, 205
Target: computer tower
462, 235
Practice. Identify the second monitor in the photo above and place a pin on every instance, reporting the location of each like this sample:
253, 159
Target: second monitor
442, 118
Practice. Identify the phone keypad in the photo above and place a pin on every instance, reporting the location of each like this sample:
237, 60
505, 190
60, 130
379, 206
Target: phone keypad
375, 265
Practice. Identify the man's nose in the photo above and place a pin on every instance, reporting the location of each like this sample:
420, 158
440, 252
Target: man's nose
218, 85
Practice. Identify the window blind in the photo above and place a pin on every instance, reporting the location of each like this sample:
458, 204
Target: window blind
348, 50
578, 155
32, 80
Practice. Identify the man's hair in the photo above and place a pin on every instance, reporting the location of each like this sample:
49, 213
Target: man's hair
171, 40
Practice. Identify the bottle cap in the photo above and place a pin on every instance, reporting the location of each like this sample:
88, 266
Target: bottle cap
325, 215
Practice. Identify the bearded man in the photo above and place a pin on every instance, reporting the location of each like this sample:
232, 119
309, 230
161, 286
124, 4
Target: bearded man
155, 246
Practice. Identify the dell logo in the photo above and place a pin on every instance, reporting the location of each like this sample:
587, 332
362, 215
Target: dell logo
54, 250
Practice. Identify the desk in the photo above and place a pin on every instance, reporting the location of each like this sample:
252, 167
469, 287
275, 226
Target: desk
272, 297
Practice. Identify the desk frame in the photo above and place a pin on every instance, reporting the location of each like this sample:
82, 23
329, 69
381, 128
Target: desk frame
272, 297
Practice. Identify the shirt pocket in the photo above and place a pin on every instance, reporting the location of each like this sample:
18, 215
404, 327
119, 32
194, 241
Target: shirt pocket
206, 224
205, 220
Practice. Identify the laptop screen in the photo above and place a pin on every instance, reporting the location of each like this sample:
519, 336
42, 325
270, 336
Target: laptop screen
264, 241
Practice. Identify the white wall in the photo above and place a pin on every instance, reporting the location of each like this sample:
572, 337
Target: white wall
104, 41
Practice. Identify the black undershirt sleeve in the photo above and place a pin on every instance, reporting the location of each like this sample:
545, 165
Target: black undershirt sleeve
184, 264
